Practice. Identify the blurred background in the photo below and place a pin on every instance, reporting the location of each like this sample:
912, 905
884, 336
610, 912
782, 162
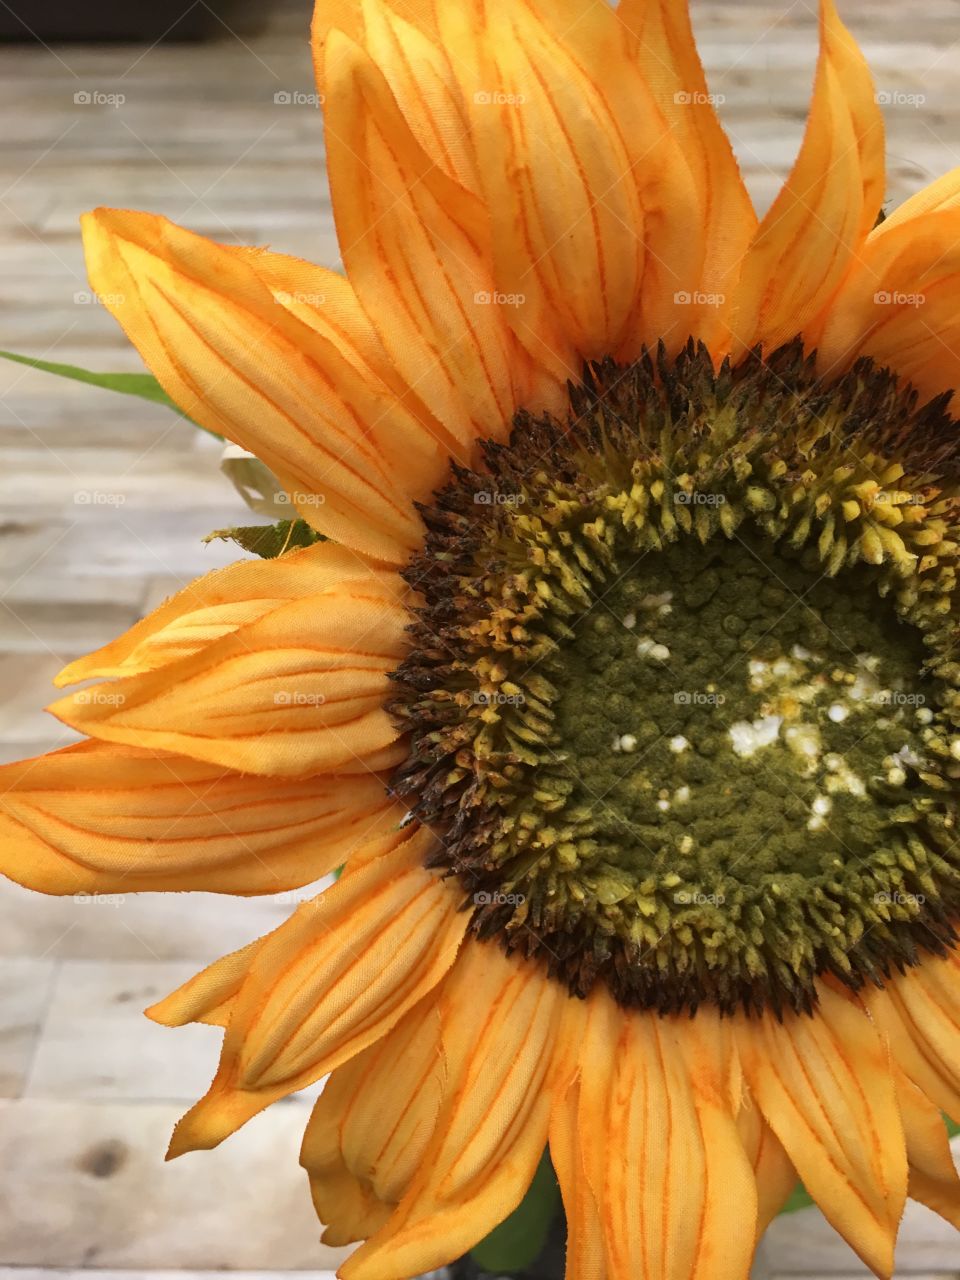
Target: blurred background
204, 112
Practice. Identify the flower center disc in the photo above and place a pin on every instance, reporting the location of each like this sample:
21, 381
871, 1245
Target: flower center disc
682, 696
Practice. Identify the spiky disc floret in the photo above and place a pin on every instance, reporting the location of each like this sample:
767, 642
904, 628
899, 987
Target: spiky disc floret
682, 695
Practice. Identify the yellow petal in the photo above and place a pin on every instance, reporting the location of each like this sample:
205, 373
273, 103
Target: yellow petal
660, 37
218, 604
933, 1175
416, 248
499, 1018
299, 691
210, 329
828, 205
899, 304
825, 1085
330, 982
371, 1126
98, 818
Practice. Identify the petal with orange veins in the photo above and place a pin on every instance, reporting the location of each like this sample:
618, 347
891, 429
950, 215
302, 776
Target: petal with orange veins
936, 1079
660, 37
596, 227
101, 818
818, 223
499, 1019
299, 691
326, 302
371, 1126
585, 1258
773, 1170
927, 998
899, 304
567, 222
216, 605
416, 249
685, 1176
934, 1180
416, 68
327, 984
825, 1085
210, 329
210, 995
664, 1094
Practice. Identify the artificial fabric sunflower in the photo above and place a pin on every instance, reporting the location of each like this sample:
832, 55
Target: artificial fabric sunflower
625, 685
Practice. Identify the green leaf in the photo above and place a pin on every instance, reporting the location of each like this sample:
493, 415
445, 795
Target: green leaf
143, 385
517, 1241
800, 1198
269, 540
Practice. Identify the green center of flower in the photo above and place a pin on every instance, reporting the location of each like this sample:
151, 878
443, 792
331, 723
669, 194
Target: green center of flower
682, 696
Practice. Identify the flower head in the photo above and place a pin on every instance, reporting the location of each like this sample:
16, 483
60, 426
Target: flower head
625, 686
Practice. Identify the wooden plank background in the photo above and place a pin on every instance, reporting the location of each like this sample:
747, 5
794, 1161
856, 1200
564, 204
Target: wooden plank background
103, 502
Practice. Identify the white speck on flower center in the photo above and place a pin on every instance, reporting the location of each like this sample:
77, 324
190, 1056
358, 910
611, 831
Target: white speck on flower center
678, 744
748, 738
628, 742
838, 712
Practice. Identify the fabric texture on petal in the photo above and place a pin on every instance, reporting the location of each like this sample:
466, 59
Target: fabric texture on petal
499, 1019
817, 224
242, 365
327, 984
102, 818
299, 691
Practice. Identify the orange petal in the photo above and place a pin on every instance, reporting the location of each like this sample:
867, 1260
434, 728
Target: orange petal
828, 205
210, 329
499, 1019
98, 818
660, 37
899, 304
403, 225
371, 1126
585, 1254
330, 982
933, 1175
210, 995
685, 1176
926, 997
773, 1171
299, 691
416, 67
218, 604
944, 193
664, 1094
326, 302
902, 1033
825, 1085
596, 226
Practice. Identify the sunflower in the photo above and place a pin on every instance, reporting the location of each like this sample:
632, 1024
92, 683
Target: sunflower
623, 676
